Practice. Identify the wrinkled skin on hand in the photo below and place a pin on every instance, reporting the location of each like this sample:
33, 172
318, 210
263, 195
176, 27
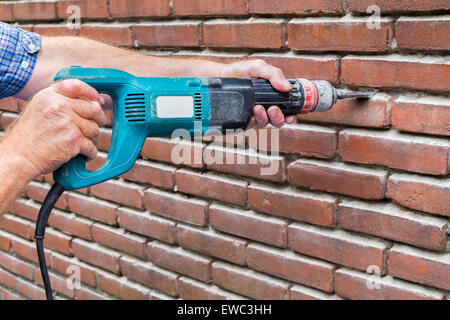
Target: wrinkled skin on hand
260, 69
59, 123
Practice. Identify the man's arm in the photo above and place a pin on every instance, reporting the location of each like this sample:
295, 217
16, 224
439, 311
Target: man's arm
59, 52
59, 123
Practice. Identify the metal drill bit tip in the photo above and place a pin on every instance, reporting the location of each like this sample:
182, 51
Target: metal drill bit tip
354, 94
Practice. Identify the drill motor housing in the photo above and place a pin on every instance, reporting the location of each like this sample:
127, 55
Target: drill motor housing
156, 106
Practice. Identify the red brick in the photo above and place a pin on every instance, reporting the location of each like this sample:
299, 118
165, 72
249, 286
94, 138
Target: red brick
339, 35
9, 104
176, 207
420, 266
338, 178
247, 34
38, 192
190, 289
34, 10
122, 288
171, 34
174, 151
116, 35
180, 260
296, 7
139, 8
324, 67
303, 139
30, 290
290, 266
211, 186
155, 174
119, 240
16, 265
57, 241
147, 224
18, 226
396, 6
92, 208
104, 139
423, 33
245, 162
249, 225
293, 204
209, 7
390, 222
422, 115
86, 294
396, 71
8, 295
7, 279
337, 246
149, 275
64, 265
297, 292
361, 286
93, 253
6, 12
25, 208
125, 193
249, 283
375, 112
212, 243
393, 150
88, 9
5, 241
420, 193
27, 250
59, 284
70, 224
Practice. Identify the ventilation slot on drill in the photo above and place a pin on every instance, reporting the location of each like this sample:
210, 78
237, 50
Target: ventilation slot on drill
135, 110
198, 106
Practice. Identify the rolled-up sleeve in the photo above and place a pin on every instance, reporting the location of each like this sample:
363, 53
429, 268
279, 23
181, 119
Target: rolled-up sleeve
18, 54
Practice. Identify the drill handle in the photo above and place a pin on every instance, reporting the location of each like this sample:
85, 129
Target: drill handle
126, 143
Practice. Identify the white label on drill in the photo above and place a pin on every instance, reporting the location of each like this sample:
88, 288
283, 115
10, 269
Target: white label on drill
175, 107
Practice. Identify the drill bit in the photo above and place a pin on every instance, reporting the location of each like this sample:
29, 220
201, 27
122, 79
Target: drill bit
341, 94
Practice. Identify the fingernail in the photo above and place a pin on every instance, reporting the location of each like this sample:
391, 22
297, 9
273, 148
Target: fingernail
102, 100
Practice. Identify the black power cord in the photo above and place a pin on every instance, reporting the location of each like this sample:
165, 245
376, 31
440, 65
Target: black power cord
41, 223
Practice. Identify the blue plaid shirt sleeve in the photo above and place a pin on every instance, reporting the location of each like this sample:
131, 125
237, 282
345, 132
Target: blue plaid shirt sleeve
18, 54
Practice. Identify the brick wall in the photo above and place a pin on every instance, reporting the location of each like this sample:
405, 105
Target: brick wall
362, 188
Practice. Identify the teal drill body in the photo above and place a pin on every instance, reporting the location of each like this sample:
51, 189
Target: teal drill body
156, 106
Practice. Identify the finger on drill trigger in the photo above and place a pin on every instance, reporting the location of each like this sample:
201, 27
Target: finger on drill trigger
88, 128
91, 110
88, 149
74, 88
260, 116
276, 116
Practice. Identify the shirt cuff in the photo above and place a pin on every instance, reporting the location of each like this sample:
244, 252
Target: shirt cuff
18, 54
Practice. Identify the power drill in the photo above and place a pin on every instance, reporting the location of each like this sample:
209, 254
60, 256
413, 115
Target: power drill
146, 106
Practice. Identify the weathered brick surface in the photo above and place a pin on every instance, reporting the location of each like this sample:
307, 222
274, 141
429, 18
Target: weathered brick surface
310, 213
338, 35
420, 266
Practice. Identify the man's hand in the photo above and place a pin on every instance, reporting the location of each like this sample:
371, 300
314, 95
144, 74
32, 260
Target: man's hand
261, 69
59, 123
